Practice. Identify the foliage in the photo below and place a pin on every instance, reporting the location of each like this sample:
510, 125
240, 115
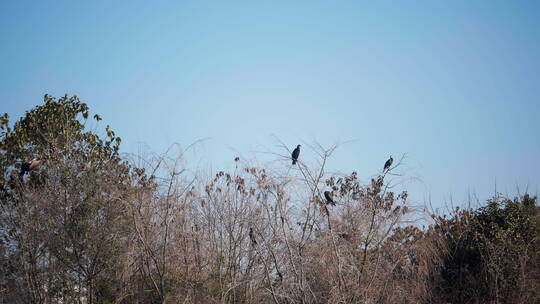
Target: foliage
89, 226
492, 253
60, 224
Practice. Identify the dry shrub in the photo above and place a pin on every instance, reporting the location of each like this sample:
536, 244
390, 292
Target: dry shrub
268, 235
91, 227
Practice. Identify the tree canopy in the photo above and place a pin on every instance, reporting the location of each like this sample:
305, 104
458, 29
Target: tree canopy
89, 226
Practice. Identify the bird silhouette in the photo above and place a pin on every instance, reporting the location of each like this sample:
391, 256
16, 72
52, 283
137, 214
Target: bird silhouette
388, 163
252, 237
295, 155
329, 198
29, 166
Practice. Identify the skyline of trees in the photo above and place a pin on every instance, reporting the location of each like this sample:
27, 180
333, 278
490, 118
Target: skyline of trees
92, 226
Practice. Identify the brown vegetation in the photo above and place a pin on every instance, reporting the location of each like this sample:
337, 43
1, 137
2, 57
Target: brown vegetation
90, 227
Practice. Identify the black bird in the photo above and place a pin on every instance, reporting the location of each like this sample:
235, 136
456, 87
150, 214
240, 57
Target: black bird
25, 167
295, 154
252, 237
29, 166
345, 236
388, 163
329, 199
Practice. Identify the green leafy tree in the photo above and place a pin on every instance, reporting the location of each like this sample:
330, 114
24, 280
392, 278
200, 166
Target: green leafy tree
492, 253
63, 223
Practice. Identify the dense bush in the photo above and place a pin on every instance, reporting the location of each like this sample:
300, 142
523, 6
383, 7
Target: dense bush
492, 253
89, 226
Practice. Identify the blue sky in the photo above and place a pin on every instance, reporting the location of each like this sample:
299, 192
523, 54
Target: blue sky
454, 84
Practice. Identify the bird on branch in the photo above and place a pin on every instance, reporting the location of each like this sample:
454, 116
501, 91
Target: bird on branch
295, 155
329, 198
28, 166
252, 237
388, 164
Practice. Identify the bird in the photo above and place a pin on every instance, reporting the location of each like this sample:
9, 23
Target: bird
252, 237
388, 163
345, 236
295, 154
329, 199
29, 166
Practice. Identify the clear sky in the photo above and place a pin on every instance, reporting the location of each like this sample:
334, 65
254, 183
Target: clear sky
454, 84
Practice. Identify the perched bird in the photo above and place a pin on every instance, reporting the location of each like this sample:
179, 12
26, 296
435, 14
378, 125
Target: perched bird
345, 236
295, 154
388, 163
329, 198
29, 166
252, 237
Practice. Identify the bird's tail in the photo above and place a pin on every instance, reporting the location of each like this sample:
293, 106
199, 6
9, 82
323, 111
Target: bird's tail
294, 161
